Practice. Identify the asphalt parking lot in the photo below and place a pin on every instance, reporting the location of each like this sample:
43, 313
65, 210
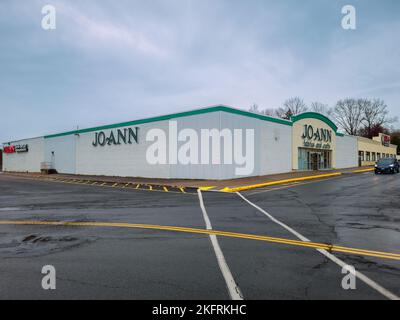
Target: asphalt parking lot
117, 262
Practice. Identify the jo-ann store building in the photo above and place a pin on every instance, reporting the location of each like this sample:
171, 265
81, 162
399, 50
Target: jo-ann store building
212, 143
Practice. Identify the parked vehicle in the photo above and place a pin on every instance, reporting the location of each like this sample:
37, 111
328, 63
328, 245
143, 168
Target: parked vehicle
387, 165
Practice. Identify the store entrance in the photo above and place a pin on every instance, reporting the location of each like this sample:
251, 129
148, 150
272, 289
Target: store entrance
314, 159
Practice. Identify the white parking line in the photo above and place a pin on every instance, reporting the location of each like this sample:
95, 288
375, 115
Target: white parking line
233, 288
335, 259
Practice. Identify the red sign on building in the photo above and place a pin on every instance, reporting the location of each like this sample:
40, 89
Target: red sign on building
9, 149
386, 140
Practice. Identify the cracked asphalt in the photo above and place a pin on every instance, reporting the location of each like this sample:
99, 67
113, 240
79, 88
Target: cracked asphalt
360, 211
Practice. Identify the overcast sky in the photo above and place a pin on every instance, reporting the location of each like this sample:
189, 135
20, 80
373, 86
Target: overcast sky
114, 60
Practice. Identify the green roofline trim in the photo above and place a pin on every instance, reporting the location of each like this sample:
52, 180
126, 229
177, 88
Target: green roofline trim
219, 108
175, 116
315, 115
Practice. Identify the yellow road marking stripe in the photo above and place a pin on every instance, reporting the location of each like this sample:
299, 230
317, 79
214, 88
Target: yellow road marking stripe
266, 184
182, 190
314, 245
165, 189
114, 185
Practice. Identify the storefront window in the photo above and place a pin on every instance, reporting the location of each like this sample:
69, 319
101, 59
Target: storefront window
378, 156
368, 156
373, 156
361, 155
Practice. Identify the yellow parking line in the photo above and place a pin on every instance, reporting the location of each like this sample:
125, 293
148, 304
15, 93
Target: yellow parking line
314, 245
104, 184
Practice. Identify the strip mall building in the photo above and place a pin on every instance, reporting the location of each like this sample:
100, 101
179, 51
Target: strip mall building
309, 141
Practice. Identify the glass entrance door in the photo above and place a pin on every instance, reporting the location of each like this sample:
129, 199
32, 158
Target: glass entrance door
314, 159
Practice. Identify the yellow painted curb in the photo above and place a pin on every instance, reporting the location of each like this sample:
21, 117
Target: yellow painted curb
363, 170
272, 183
206, 188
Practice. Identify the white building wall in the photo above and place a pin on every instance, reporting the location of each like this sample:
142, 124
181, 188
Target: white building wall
118, 160
130, 160
197, 171
346, 152
272, 150
76, 153
25, 161
272, 146
234, 121
60, 151
276, 148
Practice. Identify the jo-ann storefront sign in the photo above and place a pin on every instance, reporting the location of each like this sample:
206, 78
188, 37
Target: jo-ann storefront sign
316, 137
125, 136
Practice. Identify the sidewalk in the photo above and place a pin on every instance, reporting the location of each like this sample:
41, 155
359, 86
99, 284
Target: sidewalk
222, 185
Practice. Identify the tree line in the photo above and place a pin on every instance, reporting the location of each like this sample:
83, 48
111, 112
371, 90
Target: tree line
359, 117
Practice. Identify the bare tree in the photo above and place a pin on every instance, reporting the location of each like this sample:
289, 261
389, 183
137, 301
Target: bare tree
267, 112
254, 108
349, 114
291, 107
376, 115
396, 139
321, 108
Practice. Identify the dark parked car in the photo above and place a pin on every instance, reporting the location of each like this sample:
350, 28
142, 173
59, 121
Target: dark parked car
387, 165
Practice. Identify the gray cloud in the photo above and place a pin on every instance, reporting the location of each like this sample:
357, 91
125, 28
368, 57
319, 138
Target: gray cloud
111, 61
